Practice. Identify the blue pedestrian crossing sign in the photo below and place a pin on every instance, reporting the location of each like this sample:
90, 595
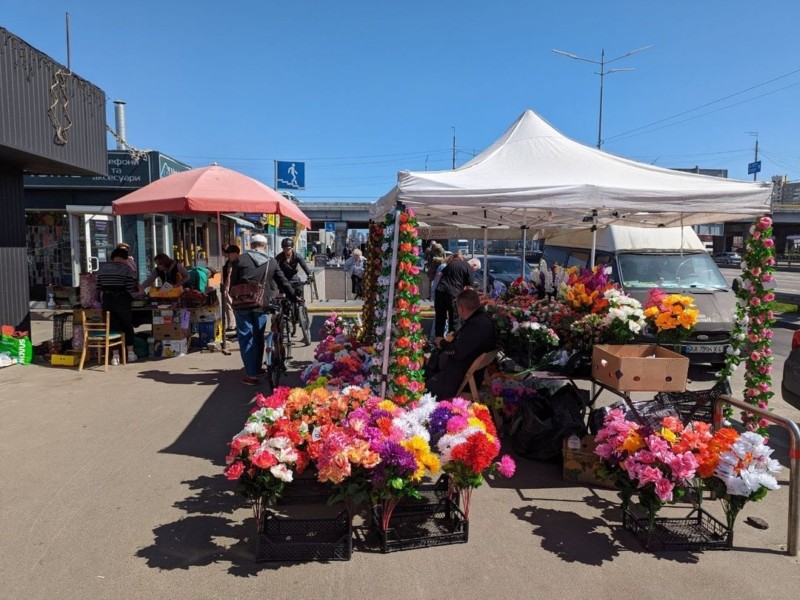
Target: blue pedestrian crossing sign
290, 175
754, 167
330, 226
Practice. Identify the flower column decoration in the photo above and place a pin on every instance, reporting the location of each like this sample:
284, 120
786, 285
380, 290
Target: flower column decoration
371, 274
382, 298
407, 380
756, 310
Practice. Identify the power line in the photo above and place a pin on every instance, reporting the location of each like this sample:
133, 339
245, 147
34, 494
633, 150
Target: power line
620, 136
680, 114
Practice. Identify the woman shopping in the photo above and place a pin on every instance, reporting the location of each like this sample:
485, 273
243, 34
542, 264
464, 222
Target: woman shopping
355, 266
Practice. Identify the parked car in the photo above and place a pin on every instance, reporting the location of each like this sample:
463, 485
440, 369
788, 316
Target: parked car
504, 269
790, 386
728, 259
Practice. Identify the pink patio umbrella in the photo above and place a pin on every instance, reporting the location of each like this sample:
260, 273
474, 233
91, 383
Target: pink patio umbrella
208, 190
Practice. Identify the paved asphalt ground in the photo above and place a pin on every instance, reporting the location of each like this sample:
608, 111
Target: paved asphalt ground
112, 489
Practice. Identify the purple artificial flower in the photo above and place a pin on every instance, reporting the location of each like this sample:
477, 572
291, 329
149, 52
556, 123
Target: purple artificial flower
396, 461
437, 423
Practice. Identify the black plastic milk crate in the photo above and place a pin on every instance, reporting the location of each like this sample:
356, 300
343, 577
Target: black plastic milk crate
291, 539
699, 531
421, 525
305, 489
62, 327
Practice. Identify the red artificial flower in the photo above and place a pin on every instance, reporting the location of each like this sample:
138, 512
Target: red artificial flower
477, 452
234, 471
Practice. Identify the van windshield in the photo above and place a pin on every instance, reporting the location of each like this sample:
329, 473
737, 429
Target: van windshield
670, 271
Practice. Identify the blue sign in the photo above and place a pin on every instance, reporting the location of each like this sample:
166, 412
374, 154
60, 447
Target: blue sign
754, 167
290, 175
330, 226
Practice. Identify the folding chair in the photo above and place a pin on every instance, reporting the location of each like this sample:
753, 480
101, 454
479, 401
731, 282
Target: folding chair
98, 335
480, 363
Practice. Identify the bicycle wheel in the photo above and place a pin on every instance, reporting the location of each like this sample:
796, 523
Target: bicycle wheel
278, 366
305, 324
286, 335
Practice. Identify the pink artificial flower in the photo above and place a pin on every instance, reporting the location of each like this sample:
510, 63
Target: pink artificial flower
755, 356
764, 223
644, 456
769, 242
648, 474
752, 392
764, 387
768, 334
755, 302
456, 424
664, 489
683, 465
603, 451
757, 235
756, 271
762, 405
769, 297
234, 471
763, 423
506, 466
753, 338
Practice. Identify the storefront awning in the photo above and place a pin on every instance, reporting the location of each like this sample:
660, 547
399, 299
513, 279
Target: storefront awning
241, 222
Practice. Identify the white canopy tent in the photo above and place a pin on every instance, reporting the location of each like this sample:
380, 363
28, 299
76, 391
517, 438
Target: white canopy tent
536, 177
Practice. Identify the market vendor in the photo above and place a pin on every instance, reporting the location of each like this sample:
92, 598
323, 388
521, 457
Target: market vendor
117, 284
168, 270
451, 359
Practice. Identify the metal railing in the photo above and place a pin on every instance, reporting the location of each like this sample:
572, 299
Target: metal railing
794, 461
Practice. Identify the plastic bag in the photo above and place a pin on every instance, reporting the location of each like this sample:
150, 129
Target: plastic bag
18, 348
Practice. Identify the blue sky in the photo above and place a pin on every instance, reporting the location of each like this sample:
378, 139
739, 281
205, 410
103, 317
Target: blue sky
361, 89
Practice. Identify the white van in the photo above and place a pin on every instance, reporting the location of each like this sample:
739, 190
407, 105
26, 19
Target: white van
673, 259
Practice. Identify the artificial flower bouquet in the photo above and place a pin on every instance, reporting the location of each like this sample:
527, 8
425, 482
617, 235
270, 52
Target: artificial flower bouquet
661, 466
672, 317
583, 289
625, 317
265, 455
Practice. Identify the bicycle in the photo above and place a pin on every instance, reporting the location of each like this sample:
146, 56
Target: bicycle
299, 312
277, 344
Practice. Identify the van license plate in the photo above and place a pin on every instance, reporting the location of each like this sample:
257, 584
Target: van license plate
698, 349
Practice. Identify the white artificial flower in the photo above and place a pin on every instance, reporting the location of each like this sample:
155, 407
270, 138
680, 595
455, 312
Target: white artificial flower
280, 471
255, 428
279, 443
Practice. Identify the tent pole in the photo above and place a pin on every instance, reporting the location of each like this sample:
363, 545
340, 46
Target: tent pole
524, 242
594, 239
485, 260
223, 299
387, 335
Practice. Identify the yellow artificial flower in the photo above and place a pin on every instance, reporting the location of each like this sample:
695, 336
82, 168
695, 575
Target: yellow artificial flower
633, 442
387, 405
652, 311
476, 422
669, 435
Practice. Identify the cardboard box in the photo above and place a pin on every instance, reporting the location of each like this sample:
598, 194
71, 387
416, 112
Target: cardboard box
171, 348
639, 368
169, 332
65, 360
204, 314
584, 466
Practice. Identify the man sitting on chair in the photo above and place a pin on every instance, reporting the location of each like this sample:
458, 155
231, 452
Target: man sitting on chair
451, 360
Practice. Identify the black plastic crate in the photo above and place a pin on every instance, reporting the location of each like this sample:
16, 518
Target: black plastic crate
698, 531
284, 538
421, 525
62, 327
305, 489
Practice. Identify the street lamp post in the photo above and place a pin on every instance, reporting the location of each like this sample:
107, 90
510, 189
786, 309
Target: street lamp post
602, 62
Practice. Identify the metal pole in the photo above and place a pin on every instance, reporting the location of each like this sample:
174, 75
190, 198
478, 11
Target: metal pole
794, 461
755, 175
485, 260
600, 120
223, 300
387, 336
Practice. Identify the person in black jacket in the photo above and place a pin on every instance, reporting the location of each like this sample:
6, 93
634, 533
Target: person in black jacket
291, 263
451, 360
255, 266
117, 285
456, 277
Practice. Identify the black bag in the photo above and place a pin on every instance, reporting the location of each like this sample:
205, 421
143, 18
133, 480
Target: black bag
542, 423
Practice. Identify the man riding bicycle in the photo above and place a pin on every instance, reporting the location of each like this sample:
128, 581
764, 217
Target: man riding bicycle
290, 262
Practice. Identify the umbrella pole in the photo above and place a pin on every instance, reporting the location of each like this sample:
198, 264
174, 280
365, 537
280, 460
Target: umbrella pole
222, 292
485, 260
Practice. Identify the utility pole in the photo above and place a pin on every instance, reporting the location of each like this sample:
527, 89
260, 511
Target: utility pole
454, 148
755, 160
603, 62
